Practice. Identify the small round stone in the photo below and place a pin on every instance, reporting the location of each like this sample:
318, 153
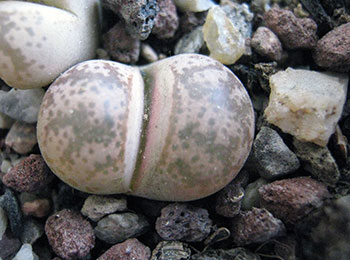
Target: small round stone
69, 235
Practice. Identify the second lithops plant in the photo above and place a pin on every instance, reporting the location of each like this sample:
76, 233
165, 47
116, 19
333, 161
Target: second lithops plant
41, 39
178, 129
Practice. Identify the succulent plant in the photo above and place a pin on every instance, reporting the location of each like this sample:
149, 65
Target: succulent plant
40, 39
178, 129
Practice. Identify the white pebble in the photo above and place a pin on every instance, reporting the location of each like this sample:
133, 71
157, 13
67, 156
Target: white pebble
306, 104
193, 5
26, 253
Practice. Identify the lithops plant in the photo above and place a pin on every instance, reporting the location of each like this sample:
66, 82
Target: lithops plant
178, 129
42, 38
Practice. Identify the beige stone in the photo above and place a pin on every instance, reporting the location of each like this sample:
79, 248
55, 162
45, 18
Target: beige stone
193, 5
306, 104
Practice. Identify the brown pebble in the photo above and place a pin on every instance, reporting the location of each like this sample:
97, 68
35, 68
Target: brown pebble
69, 235
295, 33
21, 137
333, 49
255, 226
121, 45
130, 249
266, 43
38, 208
29, 175
166, 21
292, 199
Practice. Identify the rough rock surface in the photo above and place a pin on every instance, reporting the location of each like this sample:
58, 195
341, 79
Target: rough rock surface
21, 137
292, 199
306, 104
96, 206
116, 228
130, 249
294, 32
30, 175
183, 222
333, 50
272, 156
21, 105
69, 235
228, 200
237, 253
266, 43
318, 161
173, 250
255, 226
167, 21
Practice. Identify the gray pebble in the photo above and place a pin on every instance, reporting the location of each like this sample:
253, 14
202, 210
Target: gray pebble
21, 137
32, 231
26, 253
9, 246
318, 161
116, 228
181, 221
96, 207
3, 222
191, 42
251, 196
21, 105
9, 203
171, 250
273, 157
238, 253
228, 200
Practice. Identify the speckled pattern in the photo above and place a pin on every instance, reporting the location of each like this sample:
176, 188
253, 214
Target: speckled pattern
189, 139
32, 36
89, 126
200, 129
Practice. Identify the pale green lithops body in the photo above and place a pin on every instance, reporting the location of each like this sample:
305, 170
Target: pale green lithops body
181, 131
38, 41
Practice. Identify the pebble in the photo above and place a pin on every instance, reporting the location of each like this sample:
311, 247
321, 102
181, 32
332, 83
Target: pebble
266, 43
116, 228
9, 203
29, 175
333, 49
238, 253
295, 33
148, 53
130, 249
69, 235
292, 199
329, 237
251, 197
255, 226
3, 222
138, 15
9, 246
318, 161
120, 45
228, 200
239, 15
167, 21
273, 157
5, 166
171, 250
22, 105
32, 231
97, 206
191, 42
21, 137
5, 121
306, 104
38, 208
181, 221
26, 253
194, 5
190, 20
224, 41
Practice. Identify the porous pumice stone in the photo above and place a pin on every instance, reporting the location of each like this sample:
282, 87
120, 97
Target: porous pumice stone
39, 41
306, 104
182, 132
